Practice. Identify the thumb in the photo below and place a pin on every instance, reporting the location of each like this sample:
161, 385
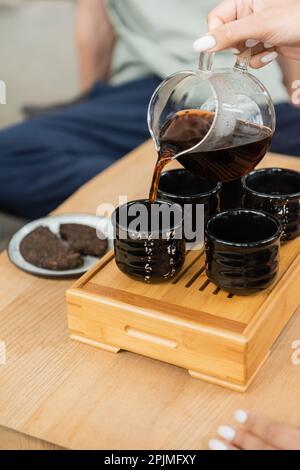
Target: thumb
233, 33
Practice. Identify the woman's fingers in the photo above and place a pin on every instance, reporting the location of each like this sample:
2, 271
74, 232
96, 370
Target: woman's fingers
242, 439
230, 34
256, 432
271, 22
262, 59
221, 444
227, 11
224, 13
262, 53
274, 434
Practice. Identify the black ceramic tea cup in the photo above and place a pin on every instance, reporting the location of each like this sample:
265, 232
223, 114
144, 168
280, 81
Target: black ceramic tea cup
242, 250
276, 191
148, 240
189, 191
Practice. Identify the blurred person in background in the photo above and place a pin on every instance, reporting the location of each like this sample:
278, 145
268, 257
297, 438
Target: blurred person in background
125, 49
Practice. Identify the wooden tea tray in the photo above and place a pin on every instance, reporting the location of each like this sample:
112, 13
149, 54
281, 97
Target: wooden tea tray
189, 322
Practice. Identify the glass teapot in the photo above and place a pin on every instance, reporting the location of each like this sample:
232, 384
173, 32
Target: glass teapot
217, 123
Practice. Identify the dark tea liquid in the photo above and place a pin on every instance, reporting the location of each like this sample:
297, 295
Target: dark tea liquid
238, 153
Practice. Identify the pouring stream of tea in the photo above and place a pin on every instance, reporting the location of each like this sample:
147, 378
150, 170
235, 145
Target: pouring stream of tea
183, 131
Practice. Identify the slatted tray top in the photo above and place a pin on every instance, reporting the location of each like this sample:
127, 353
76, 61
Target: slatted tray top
189, 311
190, 289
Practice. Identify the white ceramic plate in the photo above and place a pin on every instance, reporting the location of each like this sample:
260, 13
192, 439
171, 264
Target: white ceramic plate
99, 223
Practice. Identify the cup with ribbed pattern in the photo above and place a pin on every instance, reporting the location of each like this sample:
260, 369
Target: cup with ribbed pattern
149, 240
276, 191
242, 250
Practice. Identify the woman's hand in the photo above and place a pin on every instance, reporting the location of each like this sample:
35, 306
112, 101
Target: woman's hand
256, 432
269, 27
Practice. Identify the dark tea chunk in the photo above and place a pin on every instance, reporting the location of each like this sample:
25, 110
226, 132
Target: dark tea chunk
84, 239
44, 249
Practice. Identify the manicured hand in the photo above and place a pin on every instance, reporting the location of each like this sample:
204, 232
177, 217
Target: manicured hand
256, 432
269, 27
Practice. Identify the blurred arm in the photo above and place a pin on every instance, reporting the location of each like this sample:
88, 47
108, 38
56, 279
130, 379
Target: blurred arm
94, 40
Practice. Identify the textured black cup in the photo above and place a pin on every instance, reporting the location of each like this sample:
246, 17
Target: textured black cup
183, 188
152, 254
242, 250
276, 191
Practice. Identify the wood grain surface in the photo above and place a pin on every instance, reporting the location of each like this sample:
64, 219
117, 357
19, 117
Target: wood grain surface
12, 440
187, 321
77, 397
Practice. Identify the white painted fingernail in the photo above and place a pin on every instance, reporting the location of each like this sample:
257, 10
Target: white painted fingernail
251, 43
205, 43
233, 50
215, 444
269, 57
227, 432
241, 416
267, 45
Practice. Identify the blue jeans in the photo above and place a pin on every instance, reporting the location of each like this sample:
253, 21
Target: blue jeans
286, 139
44, 160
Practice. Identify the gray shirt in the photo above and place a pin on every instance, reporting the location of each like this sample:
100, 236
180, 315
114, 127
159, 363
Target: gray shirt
156, 37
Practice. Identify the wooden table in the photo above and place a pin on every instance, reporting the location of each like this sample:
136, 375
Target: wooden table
58, 393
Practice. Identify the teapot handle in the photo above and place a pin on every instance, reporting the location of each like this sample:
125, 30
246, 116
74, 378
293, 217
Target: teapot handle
206, 61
